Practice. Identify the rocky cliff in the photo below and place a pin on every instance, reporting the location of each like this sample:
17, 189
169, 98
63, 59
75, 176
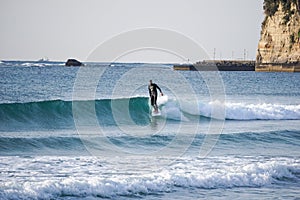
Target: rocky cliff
279, 44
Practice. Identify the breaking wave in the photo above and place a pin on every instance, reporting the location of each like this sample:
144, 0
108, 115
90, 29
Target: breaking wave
59, 114
193, 173
250, 111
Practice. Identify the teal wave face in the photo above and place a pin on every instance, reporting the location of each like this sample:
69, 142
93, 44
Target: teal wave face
58, 114
36, 115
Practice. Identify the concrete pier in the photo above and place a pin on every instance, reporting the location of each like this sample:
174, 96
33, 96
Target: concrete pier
278, 67
218, 65
237, 65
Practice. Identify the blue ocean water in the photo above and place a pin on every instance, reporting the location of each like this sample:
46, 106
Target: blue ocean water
87, 133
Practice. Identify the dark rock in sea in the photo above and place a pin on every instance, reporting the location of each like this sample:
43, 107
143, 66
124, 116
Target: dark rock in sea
73, 62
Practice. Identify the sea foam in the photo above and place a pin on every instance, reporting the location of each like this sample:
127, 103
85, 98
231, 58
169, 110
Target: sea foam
89, 179
245, 111
264, 111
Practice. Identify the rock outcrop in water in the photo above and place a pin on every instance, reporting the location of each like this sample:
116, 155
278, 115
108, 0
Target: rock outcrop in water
279, 45
73, 62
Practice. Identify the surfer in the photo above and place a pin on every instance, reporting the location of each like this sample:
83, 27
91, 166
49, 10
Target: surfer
153, 94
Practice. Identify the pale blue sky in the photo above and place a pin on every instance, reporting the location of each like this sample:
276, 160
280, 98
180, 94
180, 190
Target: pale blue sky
59, 29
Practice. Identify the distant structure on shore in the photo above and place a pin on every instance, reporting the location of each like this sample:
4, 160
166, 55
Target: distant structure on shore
279, 45
278, 48
44, 59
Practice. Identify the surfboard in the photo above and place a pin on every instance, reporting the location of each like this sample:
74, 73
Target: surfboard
161, 100
154, 114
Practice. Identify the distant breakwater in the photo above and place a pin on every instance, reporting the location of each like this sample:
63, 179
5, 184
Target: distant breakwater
238, 65
218, 65
278, 67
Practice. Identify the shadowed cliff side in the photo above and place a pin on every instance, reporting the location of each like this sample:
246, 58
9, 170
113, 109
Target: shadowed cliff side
279, 45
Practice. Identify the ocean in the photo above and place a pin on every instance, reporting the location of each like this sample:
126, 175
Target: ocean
88, 133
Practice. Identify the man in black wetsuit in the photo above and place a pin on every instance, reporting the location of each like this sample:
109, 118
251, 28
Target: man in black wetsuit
153, 94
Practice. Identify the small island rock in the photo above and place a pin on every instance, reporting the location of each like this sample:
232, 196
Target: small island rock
73, 62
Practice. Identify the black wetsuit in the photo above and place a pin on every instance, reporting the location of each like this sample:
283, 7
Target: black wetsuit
153, 94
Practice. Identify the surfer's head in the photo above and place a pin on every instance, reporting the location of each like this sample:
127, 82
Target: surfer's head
150, 81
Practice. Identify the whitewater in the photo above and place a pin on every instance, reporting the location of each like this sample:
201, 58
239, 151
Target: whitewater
88, 133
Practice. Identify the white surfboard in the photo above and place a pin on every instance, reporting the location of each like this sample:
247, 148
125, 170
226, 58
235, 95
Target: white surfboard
161, 100
154, 114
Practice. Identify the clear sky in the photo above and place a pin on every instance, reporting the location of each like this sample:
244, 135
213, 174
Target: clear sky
60, 29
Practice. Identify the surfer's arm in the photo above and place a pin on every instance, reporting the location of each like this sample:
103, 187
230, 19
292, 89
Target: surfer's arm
159, 90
